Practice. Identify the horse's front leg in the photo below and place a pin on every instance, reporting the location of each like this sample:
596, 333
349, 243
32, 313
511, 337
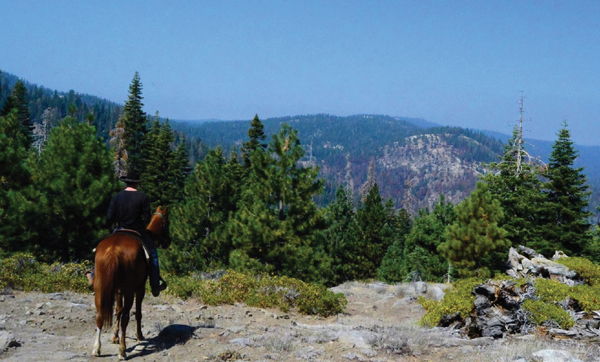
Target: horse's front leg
118, 314
139, 297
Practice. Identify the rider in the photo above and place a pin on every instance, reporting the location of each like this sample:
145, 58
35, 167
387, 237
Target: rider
130, 209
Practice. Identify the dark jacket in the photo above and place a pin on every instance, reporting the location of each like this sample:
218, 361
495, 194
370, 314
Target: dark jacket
130, 210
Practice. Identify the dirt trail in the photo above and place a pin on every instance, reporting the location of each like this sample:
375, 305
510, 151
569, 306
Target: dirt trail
379, 325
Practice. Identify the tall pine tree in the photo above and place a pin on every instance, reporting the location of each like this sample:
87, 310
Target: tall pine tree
567, 226
278, 224
135, 123
18, 101
515, 182
256, 142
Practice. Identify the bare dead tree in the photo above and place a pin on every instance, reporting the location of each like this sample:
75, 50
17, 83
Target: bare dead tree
365, 188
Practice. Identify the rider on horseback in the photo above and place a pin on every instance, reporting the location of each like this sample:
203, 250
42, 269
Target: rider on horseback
130, 209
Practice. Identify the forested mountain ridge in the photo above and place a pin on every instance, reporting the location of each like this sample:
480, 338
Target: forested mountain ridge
433, 160
54, 105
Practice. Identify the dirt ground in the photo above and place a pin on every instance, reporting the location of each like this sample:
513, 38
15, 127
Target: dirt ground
379, 325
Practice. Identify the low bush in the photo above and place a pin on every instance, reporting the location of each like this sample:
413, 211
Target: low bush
23, 272
584, 267
460, 299
542, 312
261, 291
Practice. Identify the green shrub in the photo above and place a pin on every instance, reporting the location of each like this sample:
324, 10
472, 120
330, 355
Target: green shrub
260, 291
22, 272
585, 268
460, 299
542, 312
550, 291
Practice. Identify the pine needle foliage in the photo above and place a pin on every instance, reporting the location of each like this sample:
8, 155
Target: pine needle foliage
471, 240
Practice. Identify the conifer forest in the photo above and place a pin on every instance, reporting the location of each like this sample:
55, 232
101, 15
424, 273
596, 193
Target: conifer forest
319, 198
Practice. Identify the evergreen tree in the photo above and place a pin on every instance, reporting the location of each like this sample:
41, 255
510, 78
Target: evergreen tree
135, 122
14, 176
345, 244
471, 240
18, 100
515, 182
278, 224
67, 203
256, 142
164, 168
392, 268
567, 227
428, 232
376, 230
199, 224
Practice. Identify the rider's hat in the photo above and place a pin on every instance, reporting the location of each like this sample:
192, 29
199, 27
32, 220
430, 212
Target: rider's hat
131, 177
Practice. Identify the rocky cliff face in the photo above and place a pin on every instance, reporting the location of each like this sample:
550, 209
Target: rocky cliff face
433, 166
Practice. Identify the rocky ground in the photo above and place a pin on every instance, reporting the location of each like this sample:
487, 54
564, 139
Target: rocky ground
379, 325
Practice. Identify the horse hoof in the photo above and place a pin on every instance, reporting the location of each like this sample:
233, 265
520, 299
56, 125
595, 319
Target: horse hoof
140, 338
96, 352
122, 357
115, 340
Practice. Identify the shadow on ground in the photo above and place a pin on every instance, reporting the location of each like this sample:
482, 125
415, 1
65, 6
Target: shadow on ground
168, 337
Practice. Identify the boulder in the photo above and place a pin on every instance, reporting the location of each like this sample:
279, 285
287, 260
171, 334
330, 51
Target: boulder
553, 355
420, 288
7, 340
436, 293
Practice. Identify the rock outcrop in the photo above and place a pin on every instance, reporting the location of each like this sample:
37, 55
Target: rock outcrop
498, 303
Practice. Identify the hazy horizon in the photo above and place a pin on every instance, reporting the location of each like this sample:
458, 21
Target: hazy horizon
462, 63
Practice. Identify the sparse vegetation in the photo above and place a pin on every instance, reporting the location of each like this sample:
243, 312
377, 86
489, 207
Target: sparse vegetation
23, 272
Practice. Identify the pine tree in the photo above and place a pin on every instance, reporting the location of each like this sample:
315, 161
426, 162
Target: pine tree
344, 241
392, 268
164, 170
567, 227
515, 182
256, 142
14, 176
199, 224
73, 184
475, 234
428, 232
277, 226
376, 231
135, 122
18, 100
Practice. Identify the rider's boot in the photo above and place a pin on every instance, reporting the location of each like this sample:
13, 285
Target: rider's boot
90, 276
157, 284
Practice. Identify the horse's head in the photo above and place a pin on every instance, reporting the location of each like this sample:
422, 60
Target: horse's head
159, 227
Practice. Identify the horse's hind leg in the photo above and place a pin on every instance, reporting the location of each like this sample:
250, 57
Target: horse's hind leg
97, 344
118, 313
139, 297
127, 303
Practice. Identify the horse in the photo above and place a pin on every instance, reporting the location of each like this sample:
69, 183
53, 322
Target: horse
121, 273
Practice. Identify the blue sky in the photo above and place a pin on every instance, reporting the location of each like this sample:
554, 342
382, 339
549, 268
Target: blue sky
462, 63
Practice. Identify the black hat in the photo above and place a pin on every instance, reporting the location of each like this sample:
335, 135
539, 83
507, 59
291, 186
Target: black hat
131, 177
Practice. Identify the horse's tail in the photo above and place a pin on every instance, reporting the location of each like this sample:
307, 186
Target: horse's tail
107, 283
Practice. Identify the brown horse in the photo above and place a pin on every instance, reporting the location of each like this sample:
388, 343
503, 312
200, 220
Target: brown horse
121, 272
